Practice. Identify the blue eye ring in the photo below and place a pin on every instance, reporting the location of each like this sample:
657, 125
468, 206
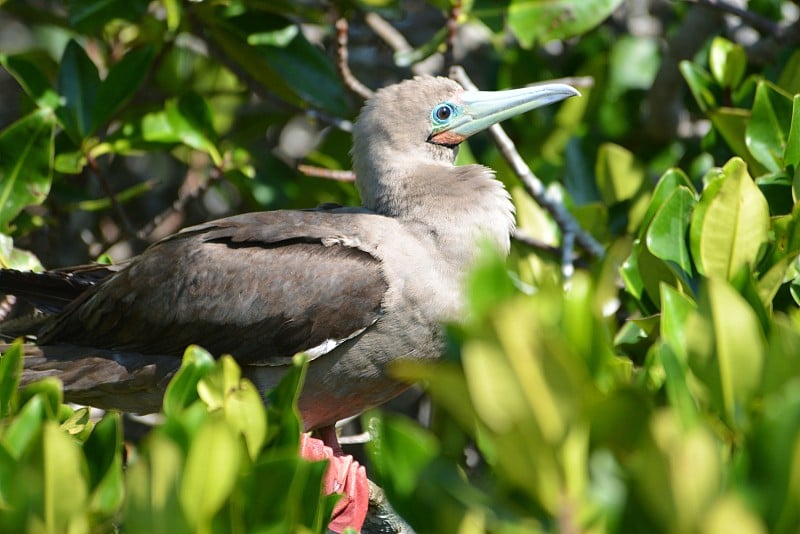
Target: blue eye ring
443, 113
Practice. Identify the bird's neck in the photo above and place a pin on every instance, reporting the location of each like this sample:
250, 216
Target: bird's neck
456, 207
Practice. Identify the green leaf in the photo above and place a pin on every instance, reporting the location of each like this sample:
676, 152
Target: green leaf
666, 236
791, 155
211, 469
399, 450
731, 123
123, 80
91, 15
182, 389
297, 71
728, 62
768, 129
32, 80
540, 21
224, 389
189, 120
103, 451
619, 175
726, 349
10, 372
730, 223
24, 427
789, 80
78, 83
62, 463
675, 311
700, 83
669, 181
26, 152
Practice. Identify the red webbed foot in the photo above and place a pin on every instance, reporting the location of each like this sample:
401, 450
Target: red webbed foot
344, 475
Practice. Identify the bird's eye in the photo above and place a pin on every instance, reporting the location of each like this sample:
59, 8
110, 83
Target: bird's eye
442, 113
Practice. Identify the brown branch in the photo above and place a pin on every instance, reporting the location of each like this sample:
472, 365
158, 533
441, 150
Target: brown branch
528, 240
330, 174
115, 205
535, 188
393, 38
350, 81
452, 33
762, 24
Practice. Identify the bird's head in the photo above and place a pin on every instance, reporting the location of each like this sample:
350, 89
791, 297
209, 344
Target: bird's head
423, 120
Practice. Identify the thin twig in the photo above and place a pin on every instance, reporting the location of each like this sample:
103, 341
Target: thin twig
528, 240
178, 206
121, 215
388, 33
532, 184
330, 174
452, 33
393, 38
350, 81
762, 24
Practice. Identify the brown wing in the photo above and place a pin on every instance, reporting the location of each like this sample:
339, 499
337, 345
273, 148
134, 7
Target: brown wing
261, 287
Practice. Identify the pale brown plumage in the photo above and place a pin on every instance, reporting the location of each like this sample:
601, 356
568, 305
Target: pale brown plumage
356, 287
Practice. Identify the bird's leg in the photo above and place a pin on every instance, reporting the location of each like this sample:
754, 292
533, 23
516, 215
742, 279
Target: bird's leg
344, 475
328, 436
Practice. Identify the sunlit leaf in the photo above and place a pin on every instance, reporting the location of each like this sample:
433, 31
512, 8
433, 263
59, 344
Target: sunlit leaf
730, 223
728, 62
726, 349
768, 128
26, 152
540, 21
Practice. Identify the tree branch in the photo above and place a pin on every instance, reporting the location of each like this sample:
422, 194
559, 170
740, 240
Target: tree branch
350, 81
570, 228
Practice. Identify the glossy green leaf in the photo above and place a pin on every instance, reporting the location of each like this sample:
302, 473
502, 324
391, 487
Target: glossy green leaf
675, 311
789, 80
667, 234
103, 451
731, 123
730, 223
123, 80
151, 489
726, 349
211, 469
768, 128
669, 181
32, 80
399, 450
61, 461
78, 84
25, 426
700, 83
791, 155
10, 371
26, 152
240, 401
90, 15
297, 71
49, 391
540, 21
728, 62
619, 175
182, 389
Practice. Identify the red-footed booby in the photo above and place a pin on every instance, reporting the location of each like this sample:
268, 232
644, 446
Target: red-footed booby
355, 288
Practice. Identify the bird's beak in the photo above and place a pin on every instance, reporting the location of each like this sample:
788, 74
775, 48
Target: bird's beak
481, 109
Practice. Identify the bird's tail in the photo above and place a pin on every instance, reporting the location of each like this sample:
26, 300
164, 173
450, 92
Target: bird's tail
107, 379
51, 291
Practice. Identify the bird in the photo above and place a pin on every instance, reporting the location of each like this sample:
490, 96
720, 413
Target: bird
355, 288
